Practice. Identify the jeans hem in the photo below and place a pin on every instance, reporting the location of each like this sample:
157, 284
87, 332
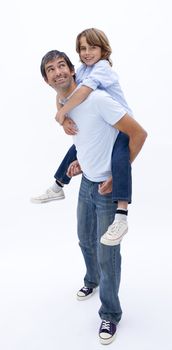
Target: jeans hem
91, 285
62, 180
116, 200
109, 318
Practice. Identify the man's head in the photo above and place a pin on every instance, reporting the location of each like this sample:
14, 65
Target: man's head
57, 70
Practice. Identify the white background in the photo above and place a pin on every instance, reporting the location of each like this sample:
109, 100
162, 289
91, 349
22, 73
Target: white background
41, 266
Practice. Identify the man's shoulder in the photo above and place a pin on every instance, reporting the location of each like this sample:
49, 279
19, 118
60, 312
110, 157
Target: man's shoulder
101, 100
99, 94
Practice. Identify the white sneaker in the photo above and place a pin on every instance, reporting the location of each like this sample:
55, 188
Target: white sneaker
115, 233
48, 196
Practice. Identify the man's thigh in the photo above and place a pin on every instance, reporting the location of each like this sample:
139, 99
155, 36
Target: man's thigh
105, 210
86, 214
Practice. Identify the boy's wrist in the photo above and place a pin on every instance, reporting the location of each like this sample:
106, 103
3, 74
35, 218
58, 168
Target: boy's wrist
61, 121
60, 118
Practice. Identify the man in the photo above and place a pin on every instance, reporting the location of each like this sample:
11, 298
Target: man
98, 127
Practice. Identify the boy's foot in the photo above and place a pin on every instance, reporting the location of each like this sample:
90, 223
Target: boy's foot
48, 196
115, 233
85, 293
107, 332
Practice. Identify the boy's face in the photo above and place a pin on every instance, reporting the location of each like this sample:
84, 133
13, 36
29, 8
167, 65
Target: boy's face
58, 74
89, 54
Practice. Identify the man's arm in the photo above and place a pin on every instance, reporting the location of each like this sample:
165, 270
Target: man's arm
74, 169
105, 186
137, 135
70, 128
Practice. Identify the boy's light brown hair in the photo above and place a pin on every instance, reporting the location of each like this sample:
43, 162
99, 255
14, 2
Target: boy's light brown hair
96, 37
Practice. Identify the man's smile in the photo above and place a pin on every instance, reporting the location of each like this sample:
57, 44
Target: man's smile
59, 80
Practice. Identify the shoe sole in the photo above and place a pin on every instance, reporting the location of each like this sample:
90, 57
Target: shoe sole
112, 242
85, 298
107, 341
46, 200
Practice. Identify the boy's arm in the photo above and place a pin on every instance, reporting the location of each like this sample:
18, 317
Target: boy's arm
69, 125
101, 73
79, 96
58, 104
137, 135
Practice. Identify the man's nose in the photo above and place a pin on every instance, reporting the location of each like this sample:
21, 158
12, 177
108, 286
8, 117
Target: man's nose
57, 71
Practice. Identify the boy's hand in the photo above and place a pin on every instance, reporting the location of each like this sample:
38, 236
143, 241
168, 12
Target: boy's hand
106, 186
69, 126
74, 169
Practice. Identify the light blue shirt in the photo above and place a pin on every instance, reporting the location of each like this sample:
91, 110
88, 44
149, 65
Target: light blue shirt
96, 136
102, 76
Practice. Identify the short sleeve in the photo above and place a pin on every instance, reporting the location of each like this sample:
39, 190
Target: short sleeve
100, 76
109, 109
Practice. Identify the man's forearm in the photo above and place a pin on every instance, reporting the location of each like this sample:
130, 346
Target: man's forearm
137, 135
135, 144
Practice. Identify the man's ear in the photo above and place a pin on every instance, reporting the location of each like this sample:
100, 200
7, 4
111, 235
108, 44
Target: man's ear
46, 80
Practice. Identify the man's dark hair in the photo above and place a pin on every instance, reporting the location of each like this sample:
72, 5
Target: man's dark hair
50, 56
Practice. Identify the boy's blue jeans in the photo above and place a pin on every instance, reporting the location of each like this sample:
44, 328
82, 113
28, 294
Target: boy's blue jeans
95, 212
121, 169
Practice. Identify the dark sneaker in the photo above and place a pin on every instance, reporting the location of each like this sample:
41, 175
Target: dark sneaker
85, 293
107, 332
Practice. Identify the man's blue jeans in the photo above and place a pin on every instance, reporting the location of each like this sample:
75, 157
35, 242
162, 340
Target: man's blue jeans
121, 169
95, 213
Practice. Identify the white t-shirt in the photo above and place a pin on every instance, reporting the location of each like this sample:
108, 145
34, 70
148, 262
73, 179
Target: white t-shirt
96, 136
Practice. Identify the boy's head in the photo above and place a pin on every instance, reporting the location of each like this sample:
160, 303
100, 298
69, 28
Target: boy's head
95, 37
51, 56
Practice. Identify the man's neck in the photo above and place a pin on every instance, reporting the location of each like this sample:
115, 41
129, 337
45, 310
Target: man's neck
64, 94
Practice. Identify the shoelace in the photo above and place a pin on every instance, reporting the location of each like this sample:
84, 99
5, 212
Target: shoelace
105, 325
115, 227
85, 289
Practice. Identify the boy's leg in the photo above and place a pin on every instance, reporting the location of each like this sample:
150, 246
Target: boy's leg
121, 170
55, 192
60, 174
121, 191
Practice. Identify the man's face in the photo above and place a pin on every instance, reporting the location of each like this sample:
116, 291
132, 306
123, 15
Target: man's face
59, 76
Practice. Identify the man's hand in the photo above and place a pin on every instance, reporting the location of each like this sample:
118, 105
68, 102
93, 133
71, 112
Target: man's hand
106, 186
74, 169
69, 126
